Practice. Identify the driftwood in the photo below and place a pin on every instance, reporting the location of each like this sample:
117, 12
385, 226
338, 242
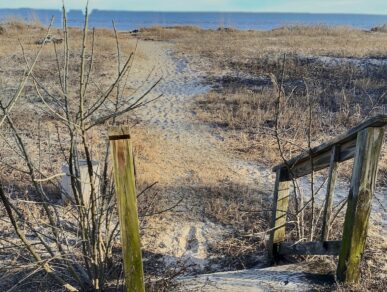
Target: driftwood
49, 40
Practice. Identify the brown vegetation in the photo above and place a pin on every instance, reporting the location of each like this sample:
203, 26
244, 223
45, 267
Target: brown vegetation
342, 89
335, 75
226, 45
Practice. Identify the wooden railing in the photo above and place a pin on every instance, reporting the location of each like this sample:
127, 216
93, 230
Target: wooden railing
363, 143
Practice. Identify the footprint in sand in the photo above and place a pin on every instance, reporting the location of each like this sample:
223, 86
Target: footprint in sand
192, 241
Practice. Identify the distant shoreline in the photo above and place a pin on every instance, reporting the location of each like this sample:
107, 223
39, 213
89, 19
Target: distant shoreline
130, 20
196, 11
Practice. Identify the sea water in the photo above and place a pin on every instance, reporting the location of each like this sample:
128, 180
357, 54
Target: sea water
129, 20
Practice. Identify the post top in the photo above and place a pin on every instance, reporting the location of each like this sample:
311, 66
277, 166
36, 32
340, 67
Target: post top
119, 132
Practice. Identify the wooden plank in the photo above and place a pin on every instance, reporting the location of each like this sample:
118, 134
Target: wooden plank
123, 170
321, 161
369, 143
330, 192
301, 165
331, 248
280, 208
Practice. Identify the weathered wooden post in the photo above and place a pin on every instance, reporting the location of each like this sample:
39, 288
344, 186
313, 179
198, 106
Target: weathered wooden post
123, 169
368, 146
333, 166
280, 209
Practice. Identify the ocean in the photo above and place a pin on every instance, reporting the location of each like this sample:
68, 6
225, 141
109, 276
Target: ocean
129, 20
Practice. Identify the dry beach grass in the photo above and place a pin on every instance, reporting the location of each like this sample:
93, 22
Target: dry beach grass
208, 143
341, 70
338, 73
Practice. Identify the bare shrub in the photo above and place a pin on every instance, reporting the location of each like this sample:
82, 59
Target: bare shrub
72, 242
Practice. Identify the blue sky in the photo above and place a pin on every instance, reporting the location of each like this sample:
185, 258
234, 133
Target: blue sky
322, 6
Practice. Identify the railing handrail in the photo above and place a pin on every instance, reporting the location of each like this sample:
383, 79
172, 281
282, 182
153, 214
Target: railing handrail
322, 152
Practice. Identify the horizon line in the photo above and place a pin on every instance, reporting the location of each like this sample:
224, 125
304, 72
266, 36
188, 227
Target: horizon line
199, 11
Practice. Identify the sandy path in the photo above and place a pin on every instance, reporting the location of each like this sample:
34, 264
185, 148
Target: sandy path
172, 117
187, 157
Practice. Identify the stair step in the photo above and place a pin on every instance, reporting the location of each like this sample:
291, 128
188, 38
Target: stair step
293, 277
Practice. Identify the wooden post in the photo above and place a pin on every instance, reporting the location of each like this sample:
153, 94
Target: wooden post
330, 192
280, 208
123, 169
368, 147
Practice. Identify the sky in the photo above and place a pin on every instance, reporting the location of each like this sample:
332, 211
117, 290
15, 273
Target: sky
313, 6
